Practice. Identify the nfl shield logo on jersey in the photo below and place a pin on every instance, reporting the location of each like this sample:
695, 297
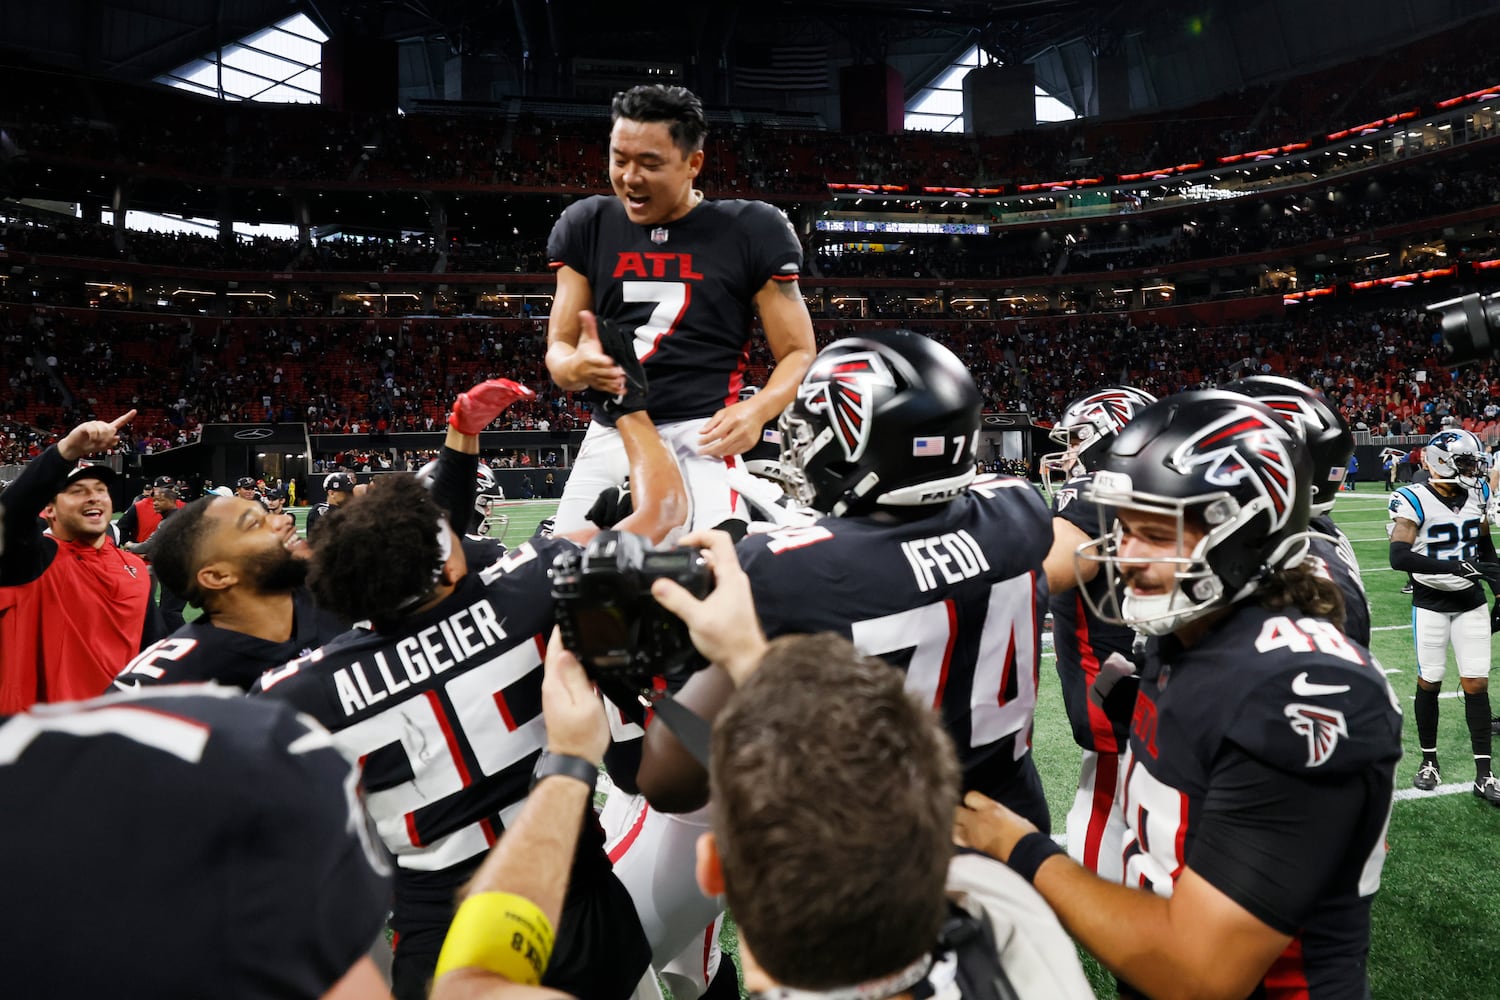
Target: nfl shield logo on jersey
659, 235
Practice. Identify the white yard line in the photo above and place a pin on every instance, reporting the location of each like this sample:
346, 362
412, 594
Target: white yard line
1455, 788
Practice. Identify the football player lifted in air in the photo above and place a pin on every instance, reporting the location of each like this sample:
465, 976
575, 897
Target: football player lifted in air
675, 279
1441, 537
1094, 660
1259, 776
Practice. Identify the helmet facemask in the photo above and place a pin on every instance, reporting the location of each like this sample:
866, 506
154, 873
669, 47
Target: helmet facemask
1204, 575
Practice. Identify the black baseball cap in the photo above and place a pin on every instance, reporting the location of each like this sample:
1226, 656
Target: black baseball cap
245, 483
276, 493
89, 470
339, 482
164, 483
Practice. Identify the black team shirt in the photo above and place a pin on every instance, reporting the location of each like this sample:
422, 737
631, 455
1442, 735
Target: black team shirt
685, 289
954, 599
1263, 757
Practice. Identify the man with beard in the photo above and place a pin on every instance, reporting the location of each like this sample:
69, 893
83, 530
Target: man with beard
245, 568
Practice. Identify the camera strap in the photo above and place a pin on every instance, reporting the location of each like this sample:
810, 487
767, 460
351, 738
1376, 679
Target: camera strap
690, 728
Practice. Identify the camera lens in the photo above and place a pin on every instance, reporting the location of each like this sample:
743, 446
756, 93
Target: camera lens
1470, 327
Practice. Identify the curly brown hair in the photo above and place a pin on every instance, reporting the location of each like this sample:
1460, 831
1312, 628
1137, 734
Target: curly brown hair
377, 552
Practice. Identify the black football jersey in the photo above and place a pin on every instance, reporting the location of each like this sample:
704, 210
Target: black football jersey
202, 844
953, 599
445, 710
684, 289
315, 515
1335, 560
200, 651
1294, 694
1083, 642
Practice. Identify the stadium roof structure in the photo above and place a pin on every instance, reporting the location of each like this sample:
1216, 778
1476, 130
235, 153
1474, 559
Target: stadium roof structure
1179, 51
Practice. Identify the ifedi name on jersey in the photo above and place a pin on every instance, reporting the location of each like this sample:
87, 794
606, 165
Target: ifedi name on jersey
436, 649
955, 555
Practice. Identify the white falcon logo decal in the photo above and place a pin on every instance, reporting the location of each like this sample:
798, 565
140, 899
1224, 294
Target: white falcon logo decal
1321, 726
844, 392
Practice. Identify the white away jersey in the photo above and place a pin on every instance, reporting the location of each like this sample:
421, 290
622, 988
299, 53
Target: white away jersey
1443, 531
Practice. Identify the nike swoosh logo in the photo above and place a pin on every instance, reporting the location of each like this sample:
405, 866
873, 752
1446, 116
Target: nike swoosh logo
1304, 688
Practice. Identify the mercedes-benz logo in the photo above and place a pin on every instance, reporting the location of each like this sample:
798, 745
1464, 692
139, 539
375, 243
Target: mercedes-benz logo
253, 434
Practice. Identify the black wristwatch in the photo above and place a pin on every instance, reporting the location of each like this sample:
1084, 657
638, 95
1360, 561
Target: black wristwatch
550, 763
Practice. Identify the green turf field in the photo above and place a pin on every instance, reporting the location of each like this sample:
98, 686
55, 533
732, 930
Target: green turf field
1440, 896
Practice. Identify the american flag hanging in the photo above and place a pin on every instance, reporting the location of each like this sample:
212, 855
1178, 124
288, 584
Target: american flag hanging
798, 66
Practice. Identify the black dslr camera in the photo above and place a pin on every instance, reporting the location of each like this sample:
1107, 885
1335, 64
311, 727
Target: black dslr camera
609, 619
1470, 326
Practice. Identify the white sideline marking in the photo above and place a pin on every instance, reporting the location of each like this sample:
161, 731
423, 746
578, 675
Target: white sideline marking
1456, 787
1389, 628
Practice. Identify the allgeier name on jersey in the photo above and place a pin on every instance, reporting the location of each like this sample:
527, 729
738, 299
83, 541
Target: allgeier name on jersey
434, 650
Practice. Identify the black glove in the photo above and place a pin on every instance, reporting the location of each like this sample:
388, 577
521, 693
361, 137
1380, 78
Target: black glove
1481, 569
543, 528
612, 506
1495, 618
620, 346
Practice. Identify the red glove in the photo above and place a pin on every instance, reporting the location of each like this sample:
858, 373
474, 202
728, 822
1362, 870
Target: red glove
474, 410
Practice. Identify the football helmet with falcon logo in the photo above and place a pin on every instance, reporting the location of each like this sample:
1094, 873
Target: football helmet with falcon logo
889, 419
1329, 442
1222, 464
1085, 430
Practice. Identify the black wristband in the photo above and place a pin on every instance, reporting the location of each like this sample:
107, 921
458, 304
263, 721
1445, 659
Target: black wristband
1029, 853
567, 765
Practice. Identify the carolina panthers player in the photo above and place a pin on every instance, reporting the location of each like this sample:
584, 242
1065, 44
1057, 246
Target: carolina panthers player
1093, 656
1263, 747
1442, 538
1330, 444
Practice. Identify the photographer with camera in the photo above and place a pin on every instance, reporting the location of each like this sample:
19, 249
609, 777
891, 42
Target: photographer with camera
439, 697
834, 889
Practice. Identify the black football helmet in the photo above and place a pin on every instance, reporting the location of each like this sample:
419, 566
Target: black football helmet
1085, 430
487, 492
1220, 465
1329, 442
888, 419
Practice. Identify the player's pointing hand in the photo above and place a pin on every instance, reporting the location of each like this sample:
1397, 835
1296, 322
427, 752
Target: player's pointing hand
93, 436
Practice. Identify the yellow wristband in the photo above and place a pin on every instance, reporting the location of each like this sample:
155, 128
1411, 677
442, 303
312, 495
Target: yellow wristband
504, 933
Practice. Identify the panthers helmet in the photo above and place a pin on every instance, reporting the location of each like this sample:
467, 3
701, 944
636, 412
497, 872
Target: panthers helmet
1086, 428
889, 419
1456, 456
1307, 413
1221, 466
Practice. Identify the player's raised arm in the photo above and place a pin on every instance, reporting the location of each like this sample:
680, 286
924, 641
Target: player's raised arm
735, 429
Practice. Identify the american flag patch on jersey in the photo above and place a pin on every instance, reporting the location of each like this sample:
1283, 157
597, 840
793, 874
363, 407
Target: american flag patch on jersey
926, 447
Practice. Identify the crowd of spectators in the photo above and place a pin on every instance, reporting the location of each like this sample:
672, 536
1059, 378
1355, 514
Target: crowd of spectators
175, 134
1382, 368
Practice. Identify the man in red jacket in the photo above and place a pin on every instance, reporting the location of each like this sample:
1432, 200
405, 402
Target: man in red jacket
138, 524
74, 607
